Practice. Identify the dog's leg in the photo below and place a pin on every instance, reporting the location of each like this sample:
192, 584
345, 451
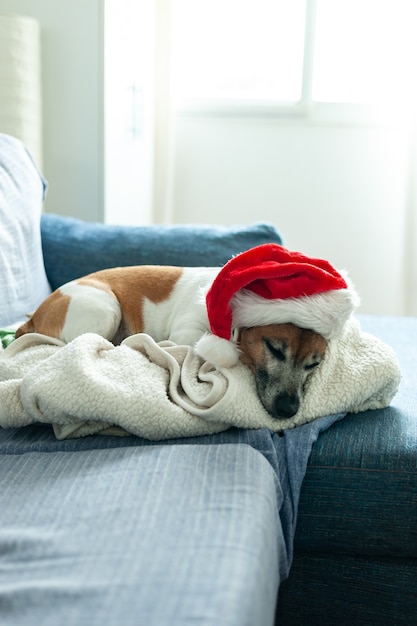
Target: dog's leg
90, 309
73, 310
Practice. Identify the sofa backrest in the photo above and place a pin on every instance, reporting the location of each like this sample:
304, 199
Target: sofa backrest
73, 248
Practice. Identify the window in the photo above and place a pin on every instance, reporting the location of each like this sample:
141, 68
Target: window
281, 52
364, 50
238, 49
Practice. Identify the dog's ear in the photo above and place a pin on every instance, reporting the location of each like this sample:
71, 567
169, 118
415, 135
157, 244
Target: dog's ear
237, 335
243, 340
246, 359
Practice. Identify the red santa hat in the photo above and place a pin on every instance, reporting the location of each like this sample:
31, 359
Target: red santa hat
272, 285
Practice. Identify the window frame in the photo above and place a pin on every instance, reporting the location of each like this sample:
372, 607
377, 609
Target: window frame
306, 109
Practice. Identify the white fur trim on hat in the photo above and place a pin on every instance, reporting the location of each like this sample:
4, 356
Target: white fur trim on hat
217, 351
325, 313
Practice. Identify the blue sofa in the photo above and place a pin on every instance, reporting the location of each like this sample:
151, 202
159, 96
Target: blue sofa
317, 526
356, 539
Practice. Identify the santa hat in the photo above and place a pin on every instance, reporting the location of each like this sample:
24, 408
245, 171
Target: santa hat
272, 285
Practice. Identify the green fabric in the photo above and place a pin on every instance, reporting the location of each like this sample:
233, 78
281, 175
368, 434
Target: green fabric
7, 335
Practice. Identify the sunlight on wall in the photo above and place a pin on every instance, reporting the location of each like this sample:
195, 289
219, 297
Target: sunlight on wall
365, 51
238, 49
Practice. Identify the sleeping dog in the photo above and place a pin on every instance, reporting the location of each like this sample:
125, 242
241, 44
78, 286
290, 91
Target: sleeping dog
168, 304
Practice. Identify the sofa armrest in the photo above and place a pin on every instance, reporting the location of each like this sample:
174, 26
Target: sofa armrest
23, 282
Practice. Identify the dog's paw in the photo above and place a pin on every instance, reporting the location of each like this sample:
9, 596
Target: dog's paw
220, 352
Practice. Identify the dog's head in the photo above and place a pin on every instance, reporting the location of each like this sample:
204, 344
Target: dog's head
282, 357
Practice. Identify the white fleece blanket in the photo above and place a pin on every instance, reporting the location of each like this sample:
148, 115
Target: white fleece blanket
161, 391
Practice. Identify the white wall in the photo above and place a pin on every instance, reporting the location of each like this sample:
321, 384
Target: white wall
334, 191
71, 41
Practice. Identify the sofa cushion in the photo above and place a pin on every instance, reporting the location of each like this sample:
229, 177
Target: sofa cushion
359, 495
73, 247
23, 282
158, 535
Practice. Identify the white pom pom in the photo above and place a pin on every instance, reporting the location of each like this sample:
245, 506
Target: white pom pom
220, 352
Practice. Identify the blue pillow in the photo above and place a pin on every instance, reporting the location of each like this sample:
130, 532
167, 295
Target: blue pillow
23, 283
73, 248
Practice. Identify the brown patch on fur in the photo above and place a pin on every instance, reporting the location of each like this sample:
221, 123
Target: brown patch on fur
301, 342
130, 285
49, 317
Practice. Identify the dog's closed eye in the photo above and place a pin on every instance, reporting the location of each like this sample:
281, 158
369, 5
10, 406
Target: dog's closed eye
280, 353
277, 351
312, 366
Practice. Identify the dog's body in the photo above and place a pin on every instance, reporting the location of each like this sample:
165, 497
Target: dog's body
163, 302
168, 304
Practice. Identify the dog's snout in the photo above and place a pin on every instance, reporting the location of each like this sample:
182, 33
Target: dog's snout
286, 405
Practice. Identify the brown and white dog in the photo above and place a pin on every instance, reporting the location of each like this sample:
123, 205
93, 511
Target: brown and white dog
168, 304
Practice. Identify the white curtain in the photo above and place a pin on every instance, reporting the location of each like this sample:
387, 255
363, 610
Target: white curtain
164, 121
20, 80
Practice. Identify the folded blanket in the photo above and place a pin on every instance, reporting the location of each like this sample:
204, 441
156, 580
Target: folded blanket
161, 391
